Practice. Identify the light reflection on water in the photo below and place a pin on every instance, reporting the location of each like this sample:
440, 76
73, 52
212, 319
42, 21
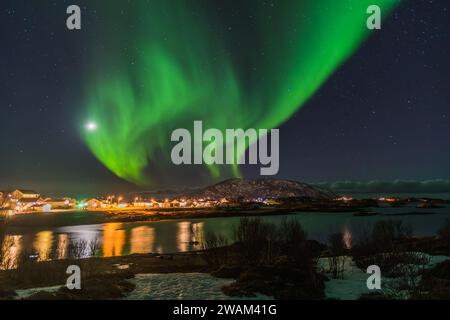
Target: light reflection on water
62, 246
11, 250
141, 240
115, 239
347, 238
43, 245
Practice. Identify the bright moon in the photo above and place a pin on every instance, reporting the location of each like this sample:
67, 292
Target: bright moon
91, 126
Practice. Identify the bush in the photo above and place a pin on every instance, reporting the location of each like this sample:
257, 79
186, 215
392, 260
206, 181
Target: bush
215, 249
336, 259
292, 240
265, 258
382, 237
381, 245
386, 232
83, 249
256, 241
407, 273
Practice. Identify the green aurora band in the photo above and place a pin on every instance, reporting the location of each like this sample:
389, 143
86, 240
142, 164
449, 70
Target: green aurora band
160, 65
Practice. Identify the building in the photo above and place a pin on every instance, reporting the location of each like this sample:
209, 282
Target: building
20, 194
175, 203
27, 204
144, 203
63, 203
165, 204
95, 203
19, 200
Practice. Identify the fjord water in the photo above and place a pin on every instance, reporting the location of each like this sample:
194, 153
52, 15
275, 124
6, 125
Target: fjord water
115, 239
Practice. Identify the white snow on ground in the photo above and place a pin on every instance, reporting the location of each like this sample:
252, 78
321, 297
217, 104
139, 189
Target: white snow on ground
434, 260
181, 286
351, 287
25, 293
202, 286
354, 282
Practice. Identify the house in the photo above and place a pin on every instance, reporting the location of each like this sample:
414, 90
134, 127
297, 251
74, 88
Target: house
24, 194
165, 204
186, 203
144, 203
94, 204
123, 205
63, 203
174, 203
26, 204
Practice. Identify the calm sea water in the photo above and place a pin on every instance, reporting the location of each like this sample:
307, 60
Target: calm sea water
115, 239
444, 196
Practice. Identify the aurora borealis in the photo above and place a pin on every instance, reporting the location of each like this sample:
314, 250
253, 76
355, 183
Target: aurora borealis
164, 64
380, 116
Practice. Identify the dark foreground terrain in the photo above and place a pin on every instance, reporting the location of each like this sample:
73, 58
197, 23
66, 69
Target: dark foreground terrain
277, 261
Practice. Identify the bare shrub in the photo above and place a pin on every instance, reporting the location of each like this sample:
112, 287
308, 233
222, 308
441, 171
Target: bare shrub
386, 232
337, 252
255, 240
393, 262
269, 259
292, 239
83, 249
79, 251
408, 276
215, 249
261, 243
294, 246
381, 244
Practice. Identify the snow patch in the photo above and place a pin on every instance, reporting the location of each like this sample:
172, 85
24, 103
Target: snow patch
354, 281
182, 286
25, 293
352, 285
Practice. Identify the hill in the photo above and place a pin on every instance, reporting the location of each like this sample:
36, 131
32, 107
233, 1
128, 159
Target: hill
263, 188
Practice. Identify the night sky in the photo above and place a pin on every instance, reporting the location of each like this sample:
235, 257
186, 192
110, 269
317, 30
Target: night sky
382, 115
